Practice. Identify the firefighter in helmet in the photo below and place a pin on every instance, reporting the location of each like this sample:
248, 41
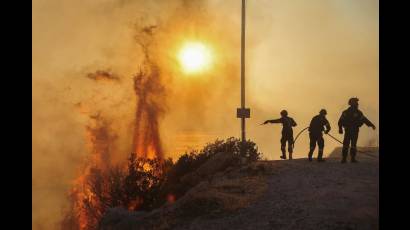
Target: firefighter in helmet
351, 120
316, 128
287, 132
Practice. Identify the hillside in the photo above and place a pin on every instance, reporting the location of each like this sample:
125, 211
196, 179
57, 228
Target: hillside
293, 194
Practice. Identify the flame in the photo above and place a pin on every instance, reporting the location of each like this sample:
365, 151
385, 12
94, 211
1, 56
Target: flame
148, 90
98, 141
171, 198
87, 208
135, 204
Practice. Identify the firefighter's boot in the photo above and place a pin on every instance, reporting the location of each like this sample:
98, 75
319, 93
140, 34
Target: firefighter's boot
320, 156
344, 154
283, 153
353, 155
310, 154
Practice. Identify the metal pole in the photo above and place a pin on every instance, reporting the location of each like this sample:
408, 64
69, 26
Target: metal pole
243, 112
243, 70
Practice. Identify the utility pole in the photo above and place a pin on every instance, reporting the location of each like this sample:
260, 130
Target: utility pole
243, 112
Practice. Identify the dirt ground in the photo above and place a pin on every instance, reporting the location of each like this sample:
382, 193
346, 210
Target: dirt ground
282, 194
310, 195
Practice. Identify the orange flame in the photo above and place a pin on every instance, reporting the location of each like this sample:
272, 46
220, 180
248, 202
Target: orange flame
148, 90
146, 143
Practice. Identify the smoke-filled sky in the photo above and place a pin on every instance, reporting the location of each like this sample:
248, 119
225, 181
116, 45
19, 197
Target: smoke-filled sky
301, 56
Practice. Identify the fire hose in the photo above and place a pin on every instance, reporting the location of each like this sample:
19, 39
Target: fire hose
293, 145
334, 138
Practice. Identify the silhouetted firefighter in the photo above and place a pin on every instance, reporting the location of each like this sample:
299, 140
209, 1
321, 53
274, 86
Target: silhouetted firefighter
316, 127
351, 120
287, 132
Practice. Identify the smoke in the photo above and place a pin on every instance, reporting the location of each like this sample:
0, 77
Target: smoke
85, 210
372, 142
101, 75
100, 140
98, 89
307, 56
89, 61
147, 141
150, 91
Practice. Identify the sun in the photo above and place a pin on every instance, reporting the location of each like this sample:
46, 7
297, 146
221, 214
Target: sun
194, 57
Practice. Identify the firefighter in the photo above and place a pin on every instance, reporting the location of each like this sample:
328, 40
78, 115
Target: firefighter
287, 132
351, 120
316, 127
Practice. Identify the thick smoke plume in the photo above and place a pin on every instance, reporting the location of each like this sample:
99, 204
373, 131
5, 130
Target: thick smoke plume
289, 63
114, 82
150, 92
92, 193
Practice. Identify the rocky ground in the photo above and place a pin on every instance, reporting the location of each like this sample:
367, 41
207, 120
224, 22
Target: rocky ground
281, 194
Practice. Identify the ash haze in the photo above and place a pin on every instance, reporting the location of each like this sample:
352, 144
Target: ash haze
301, 56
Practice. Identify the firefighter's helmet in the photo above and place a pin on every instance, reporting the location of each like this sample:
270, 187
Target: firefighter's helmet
353, 100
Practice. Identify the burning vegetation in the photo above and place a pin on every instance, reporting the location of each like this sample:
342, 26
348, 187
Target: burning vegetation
143, 184
145, 180
133, 184
150, 92
148, 89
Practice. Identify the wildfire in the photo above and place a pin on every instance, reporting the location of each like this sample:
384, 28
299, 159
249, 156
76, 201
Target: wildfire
79, 194
150, 95
100, 184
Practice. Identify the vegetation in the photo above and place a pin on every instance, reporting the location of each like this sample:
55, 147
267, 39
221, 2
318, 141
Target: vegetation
146, 184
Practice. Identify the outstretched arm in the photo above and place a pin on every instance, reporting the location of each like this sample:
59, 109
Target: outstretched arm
368, 123
273, 121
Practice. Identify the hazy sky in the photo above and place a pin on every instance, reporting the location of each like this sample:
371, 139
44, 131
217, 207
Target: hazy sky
301, 56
